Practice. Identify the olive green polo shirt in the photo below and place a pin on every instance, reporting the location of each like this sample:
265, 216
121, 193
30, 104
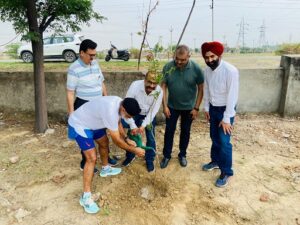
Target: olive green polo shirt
182, 84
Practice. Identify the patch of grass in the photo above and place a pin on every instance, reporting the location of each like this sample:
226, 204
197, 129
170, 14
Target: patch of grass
106, 210
28, 67
262, 60
62, 66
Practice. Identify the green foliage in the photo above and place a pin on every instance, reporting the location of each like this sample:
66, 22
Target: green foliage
134, 53
157, 48
106, 210
245, 50
54, 15
288, 49
101, 55
172, 48
154, 66
12, 49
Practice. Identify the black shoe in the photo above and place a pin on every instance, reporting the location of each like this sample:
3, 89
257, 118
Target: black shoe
150, 166
182, 161
164, 162
82, 164
128, 161
112, 161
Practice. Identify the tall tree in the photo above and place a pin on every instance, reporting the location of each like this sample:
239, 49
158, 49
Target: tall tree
145, 30
32, 18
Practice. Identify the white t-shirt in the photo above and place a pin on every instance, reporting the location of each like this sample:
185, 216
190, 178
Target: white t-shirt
99, 113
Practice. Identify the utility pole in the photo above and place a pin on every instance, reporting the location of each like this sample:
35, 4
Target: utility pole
212, 19
171, 41
131, 34
160, 40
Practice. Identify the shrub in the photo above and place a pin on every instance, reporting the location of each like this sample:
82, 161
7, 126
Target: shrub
12, 49
134, 53
101, 55
288, 49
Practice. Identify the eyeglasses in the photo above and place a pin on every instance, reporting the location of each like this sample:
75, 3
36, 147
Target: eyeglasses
91, 55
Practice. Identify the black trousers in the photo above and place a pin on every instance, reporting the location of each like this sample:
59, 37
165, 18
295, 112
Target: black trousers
185, 128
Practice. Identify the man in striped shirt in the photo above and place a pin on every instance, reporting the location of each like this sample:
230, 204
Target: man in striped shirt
85, 82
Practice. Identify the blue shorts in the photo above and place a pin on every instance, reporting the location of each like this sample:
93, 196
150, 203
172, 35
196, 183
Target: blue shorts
86, 143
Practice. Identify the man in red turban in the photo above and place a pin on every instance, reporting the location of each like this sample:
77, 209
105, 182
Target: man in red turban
221, 87
216, 48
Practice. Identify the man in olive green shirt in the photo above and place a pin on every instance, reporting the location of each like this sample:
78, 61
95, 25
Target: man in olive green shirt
183, 80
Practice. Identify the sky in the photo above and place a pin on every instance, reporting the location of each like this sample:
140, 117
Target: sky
236, 22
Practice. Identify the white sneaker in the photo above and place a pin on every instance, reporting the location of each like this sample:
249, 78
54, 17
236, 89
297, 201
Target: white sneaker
110, 171
89, 205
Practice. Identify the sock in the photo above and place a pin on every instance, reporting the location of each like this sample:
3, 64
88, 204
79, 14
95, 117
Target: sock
86, 194
106, 167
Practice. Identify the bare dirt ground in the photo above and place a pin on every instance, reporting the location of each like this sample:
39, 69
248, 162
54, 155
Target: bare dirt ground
40, 180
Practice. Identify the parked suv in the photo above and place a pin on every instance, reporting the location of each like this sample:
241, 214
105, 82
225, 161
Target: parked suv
55, 47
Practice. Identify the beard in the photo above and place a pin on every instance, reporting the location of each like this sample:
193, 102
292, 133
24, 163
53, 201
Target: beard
149, 89
213, 64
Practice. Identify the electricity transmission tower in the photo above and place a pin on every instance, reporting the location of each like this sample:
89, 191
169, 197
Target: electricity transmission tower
243, 27
262, 36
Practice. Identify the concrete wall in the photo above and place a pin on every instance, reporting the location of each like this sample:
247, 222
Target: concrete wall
17, 90
261, 90
290, 95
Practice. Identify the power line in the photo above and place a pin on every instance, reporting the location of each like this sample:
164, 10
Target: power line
10, 41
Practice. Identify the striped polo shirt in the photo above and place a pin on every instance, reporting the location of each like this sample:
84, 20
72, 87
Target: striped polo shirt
85, 80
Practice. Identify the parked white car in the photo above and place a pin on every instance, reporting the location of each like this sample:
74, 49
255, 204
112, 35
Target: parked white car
55, 47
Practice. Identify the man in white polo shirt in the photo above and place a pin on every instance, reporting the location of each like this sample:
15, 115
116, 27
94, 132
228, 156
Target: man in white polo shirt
88, 124
220, 98
149, 96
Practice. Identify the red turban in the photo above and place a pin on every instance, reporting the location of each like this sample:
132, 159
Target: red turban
214, 47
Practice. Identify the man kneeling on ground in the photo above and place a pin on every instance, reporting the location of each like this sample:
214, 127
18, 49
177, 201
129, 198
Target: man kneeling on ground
149, 96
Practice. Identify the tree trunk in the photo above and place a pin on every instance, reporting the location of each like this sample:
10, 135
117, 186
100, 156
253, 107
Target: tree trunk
41, 117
